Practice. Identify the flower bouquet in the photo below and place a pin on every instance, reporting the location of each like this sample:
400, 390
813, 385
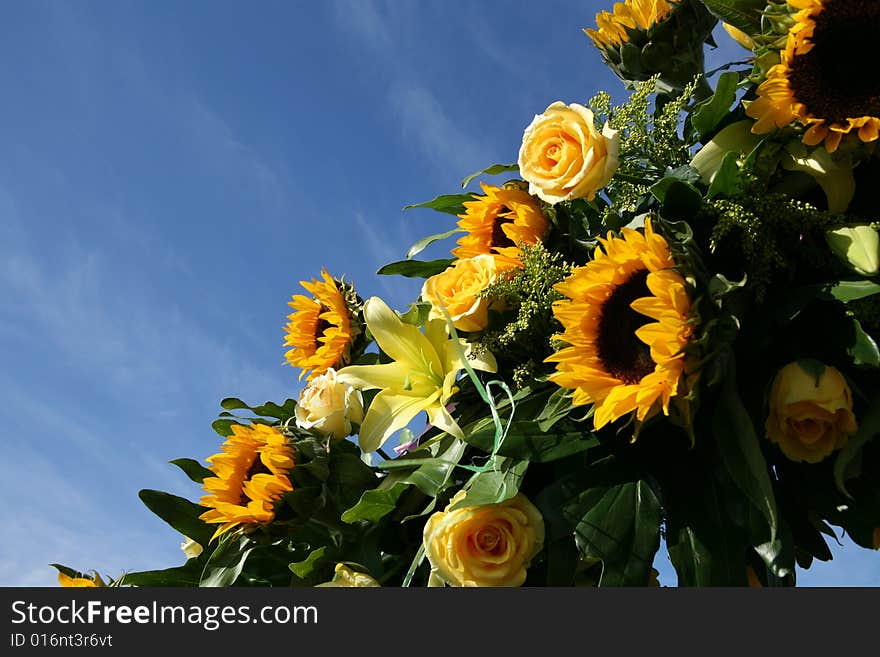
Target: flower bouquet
657, 330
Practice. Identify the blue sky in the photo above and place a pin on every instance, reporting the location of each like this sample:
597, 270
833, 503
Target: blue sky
172, 170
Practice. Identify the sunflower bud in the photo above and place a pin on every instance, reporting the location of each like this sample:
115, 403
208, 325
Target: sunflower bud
640, 39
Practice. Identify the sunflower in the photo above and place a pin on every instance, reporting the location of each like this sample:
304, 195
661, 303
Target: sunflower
627, 15
250, 476
320, 331
80, 582
497, 223
825, 79
617, 358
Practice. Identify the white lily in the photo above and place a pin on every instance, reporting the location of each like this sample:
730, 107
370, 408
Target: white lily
421, 377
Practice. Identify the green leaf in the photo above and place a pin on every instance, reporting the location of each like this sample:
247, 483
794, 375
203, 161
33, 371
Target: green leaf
493, 170
680, 200
226, 562
847, 291
271, 409
193, 469
619, 523
494, 486
727, 181
303, 569
709, 114
557, 408
415, 268
188, 575
375, 504
224, 427
527, 440
869, 427
741, 452
448, 203
180, 513
423, 243
864, 349
705, 546
859, 246
743, 14
431, 467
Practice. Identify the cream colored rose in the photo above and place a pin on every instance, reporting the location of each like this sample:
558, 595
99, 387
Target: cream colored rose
484, 545
809, 419
346, 577
191, 549
564, 156
458, 288
327, 406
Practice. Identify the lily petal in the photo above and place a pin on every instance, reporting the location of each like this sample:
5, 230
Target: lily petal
389, 412
369, 377
404, 343
440, 418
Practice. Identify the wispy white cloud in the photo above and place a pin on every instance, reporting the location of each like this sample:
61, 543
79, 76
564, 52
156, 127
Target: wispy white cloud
425, 123
369, 20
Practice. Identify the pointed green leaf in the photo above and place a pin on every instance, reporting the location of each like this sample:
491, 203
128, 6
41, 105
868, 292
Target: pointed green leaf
742, 14
178, 512
741, 452
618, 523
494, 486
493, 170
423, 243
713, 110
448, 203
375, 504
193, 469
415, 268
726, 182
303, 569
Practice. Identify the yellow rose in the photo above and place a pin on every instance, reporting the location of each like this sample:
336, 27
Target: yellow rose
458, 288
346, 577
484, 545
564, 156
809, 419
328, 406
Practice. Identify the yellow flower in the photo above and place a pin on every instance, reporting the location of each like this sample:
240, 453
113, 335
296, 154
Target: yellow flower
344, 576
497, 223
328, 407
825, 80
617, 358
421, 376
458, 290
250, 476
191, 549
630, 14
563, 155
320, 330
484, 545
810, 418
79, 582
739, 36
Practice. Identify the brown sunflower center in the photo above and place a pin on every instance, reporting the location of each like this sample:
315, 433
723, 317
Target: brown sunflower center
499, 239
321, 324
836, 80
257, 467
624, 356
